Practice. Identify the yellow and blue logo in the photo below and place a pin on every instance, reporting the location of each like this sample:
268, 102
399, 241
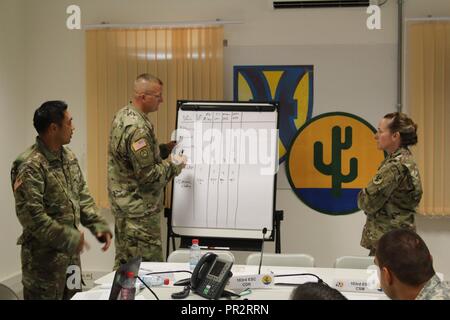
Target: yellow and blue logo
291, 86
331, 159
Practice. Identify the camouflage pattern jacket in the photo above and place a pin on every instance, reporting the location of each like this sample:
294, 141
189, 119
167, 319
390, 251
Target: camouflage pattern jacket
434, 289
52, 199
391, 198
137, 174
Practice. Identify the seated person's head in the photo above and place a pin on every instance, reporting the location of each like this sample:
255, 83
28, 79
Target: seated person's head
316, 291
405, 263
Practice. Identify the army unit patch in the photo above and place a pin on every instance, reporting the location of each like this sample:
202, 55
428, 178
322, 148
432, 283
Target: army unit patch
143, 154
138, 145
378, 179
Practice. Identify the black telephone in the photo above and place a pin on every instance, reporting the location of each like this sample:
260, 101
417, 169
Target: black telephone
210, 276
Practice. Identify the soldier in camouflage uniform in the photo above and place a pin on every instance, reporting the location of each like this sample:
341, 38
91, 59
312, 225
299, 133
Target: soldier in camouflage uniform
391, 198
137, 174
406, 268
434, 289
52, 199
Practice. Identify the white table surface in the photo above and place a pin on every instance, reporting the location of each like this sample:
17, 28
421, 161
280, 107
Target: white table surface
276, 292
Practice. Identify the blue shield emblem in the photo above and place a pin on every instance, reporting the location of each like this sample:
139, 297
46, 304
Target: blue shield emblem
291, 86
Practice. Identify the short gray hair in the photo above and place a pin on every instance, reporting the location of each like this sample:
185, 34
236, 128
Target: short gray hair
149, 78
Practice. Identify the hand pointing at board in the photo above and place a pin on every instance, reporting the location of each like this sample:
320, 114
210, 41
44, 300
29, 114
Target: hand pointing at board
178, 159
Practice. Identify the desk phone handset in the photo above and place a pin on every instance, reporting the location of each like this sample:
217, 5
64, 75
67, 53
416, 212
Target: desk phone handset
210, 276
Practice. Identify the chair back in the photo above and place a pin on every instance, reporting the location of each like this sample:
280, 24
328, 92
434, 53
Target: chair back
281, 259
354, 262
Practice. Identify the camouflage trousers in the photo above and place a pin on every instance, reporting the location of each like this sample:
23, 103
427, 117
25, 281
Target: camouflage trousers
138, 236
374, 229
44, 274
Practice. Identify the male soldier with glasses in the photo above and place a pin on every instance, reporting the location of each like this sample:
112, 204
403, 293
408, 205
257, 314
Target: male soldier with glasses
138, 173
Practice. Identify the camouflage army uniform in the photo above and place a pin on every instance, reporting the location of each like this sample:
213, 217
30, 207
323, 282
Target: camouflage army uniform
391, 198
434, 289
137, 176
52, 199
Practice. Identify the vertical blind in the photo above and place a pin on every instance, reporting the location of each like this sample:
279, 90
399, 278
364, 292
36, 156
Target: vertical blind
428, 99
189, 61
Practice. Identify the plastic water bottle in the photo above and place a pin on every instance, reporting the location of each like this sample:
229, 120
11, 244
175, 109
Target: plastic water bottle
194, 254
128, 290
154, 280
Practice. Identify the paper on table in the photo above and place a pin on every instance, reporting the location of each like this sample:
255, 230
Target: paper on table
98, 295
92, 295
364, 296
294, 280
152, 266
108, 279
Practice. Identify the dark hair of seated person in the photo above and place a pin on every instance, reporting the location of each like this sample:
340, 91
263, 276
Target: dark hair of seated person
316, 291
405, 254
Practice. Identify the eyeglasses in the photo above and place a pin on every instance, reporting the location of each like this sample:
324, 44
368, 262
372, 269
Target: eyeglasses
157, 96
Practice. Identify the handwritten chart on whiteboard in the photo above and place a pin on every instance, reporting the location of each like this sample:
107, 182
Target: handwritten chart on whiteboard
227, 189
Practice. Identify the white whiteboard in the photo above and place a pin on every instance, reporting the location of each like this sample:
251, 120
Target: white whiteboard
227, 189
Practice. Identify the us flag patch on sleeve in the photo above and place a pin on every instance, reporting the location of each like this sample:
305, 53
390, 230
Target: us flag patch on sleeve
17, 184
138, 145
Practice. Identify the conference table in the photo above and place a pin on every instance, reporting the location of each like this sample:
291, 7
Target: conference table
342, 279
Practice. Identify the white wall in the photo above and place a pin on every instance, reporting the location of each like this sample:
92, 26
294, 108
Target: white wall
421, 9
355, 71
55, 55
12, 125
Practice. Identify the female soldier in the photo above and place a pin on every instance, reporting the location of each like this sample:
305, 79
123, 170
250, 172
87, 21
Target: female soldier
391, 198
